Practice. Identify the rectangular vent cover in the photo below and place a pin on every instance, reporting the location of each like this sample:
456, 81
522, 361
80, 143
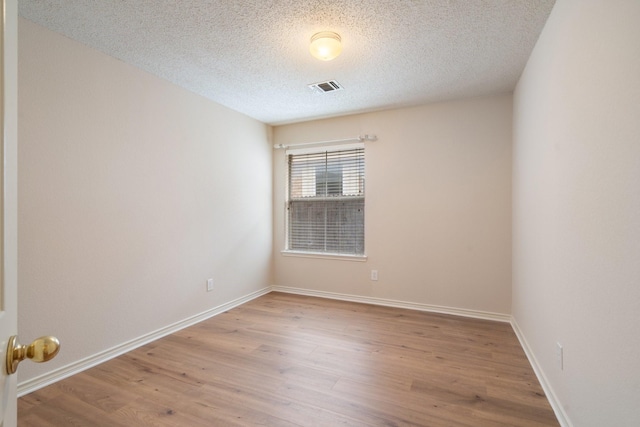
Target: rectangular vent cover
328, 86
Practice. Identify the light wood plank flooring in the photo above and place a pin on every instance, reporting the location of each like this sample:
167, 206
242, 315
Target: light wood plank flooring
290, 360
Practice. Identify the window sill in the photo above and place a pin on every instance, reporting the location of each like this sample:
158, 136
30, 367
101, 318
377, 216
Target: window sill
320, 255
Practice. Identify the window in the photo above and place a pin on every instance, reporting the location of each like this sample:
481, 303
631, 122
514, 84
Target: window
325, 202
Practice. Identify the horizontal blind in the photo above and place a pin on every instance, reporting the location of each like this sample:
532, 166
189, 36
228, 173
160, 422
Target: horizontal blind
326, 202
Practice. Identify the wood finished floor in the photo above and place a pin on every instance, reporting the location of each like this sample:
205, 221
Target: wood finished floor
289, 360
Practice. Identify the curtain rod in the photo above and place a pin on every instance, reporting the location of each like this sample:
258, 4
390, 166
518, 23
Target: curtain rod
362, 138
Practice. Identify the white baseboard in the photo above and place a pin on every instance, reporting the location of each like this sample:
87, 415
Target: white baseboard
36, 383
561, 415
476, 314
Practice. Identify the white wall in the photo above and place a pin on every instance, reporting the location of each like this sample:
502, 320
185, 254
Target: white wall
132, 192
438, 206
576, 186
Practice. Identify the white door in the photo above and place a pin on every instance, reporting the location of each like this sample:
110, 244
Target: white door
8, 202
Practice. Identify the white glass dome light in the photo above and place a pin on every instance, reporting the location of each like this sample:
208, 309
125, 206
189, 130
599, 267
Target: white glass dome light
325, 45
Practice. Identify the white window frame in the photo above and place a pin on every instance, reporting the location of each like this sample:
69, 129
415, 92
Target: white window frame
309, 254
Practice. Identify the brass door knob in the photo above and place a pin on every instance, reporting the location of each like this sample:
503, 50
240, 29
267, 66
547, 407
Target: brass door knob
40, 350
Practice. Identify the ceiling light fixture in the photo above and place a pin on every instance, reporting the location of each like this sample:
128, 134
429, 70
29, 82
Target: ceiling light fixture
325, 45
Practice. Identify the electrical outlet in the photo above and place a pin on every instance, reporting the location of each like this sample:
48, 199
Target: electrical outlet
209, 285
374, 274
560, 356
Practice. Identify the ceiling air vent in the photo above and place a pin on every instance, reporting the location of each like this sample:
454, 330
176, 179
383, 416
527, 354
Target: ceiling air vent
324, 87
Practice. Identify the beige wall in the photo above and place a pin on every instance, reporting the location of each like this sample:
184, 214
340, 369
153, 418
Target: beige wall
132, 192
577, 208
438, 206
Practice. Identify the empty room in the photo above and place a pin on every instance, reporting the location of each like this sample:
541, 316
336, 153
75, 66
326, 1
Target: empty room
321, 213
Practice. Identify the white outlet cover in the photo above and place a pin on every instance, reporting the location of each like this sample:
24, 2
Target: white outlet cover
560, 355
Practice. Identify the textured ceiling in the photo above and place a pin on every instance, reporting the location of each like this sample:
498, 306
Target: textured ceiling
253, 57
